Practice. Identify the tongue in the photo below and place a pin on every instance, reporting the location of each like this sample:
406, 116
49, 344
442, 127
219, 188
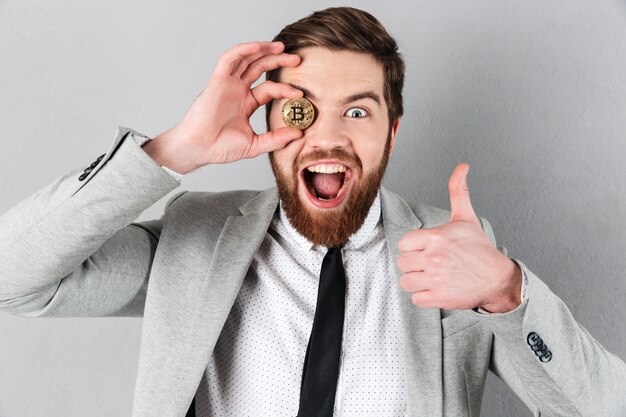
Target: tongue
327, 185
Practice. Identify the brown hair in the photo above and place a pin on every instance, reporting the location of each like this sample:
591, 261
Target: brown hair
348, 29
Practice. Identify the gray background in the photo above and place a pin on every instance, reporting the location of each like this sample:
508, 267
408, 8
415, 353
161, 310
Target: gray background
532, 94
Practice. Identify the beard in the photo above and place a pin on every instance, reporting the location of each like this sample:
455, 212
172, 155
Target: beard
330, 227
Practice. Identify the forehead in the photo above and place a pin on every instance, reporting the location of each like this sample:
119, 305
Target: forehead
332, 74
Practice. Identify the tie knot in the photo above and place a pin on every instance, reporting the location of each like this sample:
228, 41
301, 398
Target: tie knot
334, 253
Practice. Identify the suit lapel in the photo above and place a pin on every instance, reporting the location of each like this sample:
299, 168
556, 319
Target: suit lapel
239, 240
422, 342
184, 316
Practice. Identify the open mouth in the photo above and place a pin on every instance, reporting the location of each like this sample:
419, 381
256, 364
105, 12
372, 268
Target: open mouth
327, 183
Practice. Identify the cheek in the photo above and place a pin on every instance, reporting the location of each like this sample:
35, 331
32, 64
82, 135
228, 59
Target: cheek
370, 147
285, 157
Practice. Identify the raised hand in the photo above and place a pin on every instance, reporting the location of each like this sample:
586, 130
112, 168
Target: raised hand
216, 128
455, 266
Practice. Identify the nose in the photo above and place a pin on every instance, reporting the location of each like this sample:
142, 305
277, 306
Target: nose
326, 132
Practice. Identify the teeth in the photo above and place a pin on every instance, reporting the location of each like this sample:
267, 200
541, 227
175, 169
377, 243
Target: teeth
345, 182
327, 168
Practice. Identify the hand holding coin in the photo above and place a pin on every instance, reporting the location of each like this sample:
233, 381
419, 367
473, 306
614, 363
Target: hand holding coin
216, 128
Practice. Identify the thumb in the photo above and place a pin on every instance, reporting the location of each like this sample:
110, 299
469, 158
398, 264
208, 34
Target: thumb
274, 140
460, 204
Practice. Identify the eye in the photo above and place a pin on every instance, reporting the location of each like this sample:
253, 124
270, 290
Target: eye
356, 113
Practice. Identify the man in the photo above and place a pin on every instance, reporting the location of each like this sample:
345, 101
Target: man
238, 320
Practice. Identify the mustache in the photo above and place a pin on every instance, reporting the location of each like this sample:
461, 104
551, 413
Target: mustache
337, 153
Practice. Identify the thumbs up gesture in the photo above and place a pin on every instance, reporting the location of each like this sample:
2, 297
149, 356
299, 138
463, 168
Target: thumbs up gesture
455, 266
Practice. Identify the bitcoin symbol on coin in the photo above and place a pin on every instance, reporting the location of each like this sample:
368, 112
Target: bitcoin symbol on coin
298, 113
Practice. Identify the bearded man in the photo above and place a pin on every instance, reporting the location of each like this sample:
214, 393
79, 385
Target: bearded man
327, 295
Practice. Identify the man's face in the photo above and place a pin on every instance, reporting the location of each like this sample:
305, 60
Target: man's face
329, 178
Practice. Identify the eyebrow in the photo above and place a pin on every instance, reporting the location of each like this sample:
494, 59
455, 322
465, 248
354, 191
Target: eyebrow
354, 97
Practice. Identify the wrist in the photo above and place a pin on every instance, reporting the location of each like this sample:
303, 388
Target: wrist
166, 151
509, 297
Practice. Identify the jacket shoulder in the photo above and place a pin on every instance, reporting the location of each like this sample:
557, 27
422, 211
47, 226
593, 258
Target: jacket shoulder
433, 216
429, 215
223, 202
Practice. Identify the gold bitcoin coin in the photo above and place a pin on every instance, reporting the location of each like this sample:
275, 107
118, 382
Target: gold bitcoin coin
298, 113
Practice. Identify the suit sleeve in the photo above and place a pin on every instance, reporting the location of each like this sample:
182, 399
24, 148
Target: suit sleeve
71, 248
549, 360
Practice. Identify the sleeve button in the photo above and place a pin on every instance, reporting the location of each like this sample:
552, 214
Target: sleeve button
82, 177
533, 339
542, 352
538, 347
546, 358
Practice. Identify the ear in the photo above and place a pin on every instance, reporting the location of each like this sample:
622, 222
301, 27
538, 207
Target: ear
394, 132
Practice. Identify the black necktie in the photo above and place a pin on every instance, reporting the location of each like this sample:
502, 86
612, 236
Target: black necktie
321, 362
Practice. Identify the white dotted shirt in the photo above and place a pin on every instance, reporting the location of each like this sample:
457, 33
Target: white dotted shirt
256, 366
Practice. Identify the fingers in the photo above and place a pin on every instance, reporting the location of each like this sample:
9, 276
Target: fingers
273, 140
243, 64
268, 63
420, 239
250, 60
269, 90
245, 53
417, 281
425, 292
411, 241
279, 138
425, 299
410, 261
428, 261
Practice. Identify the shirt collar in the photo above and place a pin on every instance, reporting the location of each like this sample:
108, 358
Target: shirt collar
355, 242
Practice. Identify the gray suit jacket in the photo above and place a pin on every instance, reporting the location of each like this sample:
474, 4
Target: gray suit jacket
71, 249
